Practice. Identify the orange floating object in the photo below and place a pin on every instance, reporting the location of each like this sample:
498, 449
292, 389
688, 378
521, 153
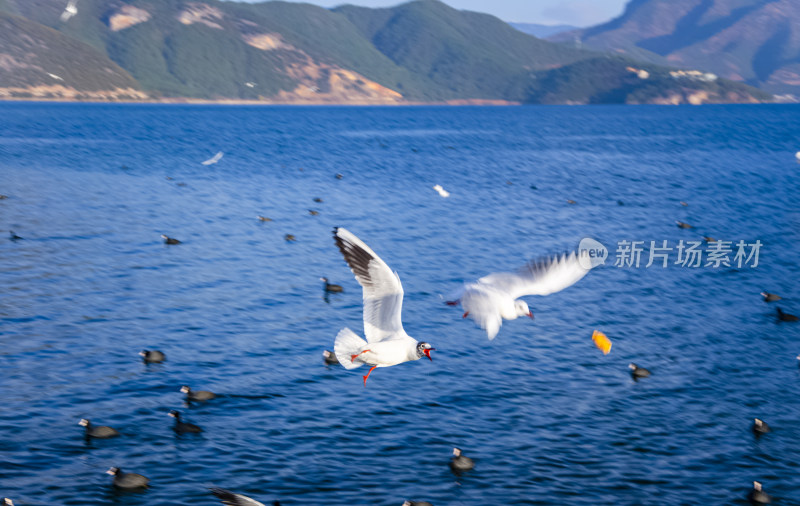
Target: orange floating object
601, 341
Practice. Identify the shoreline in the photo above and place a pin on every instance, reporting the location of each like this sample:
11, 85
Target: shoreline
234, 102
447, 103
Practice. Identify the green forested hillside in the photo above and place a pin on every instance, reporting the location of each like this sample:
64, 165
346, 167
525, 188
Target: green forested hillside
421, 51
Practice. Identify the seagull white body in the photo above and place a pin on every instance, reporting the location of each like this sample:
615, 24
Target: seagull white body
797, 156
70, 10
495, 297
444, 193
214, 159
56, 77
386, 342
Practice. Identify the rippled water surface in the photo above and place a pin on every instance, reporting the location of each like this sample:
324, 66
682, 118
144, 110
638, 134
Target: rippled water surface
240, 311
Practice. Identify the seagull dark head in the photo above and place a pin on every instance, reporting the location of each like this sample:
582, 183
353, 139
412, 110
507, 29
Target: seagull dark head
424, 348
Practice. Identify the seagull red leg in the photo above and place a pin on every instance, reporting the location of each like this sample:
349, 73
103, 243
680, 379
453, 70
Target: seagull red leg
368, 373
465, 314
353, 357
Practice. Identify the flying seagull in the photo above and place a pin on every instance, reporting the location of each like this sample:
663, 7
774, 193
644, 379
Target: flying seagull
387, 343
214, 159
444, 193
496, 297
230, 499
70, 10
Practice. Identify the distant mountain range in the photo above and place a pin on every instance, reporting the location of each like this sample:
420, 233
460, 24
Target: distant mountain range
281, 52
542, 31
752, 41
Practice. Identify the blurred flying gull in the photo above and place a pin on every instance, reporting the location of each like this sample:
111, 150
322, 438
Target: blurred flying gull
214, 159
444, 193
70, 10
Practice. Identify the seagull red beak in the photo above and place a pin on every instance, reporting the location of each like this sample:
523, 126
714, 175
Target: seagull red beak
530, 315
428, 353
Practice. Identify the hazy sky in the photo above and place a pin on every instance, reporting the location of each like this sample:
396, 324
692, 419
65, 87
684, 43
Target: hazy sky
548, 12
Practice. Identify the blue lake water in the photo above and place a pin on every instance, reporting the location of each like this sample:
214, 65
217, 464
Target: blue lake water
238, 310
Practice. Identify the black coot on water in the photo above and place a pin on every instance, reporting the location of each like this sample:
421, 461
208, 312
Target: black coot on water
199, 395
182, 427
459, 463
99, 431
127, 480
152, 356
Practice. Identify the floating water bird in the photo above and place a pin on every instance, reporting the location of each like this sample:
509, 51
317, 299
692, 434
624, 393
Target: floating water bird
638, 372
317, 199
684, 204
329, 357
682, 224
709, 239
770, 297
313, 212
757, 495
495, 297
797, 156
7, 502
387, 344
601, 341
230, 499
169, 240
786, 317
460, 463
339, 176
99, 432
152, 356
760, 427
214, 159
70, 10
13, 236
182, 427
3, 197
263, 218
199, 395
330, 287
289, 238
127, 480
417, 503
570, 201
444, 193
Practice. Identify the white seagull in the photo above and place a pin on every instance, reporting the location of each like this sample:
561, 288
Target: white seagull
214, 159
70, 10
387, 343
444, 193
495, 297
